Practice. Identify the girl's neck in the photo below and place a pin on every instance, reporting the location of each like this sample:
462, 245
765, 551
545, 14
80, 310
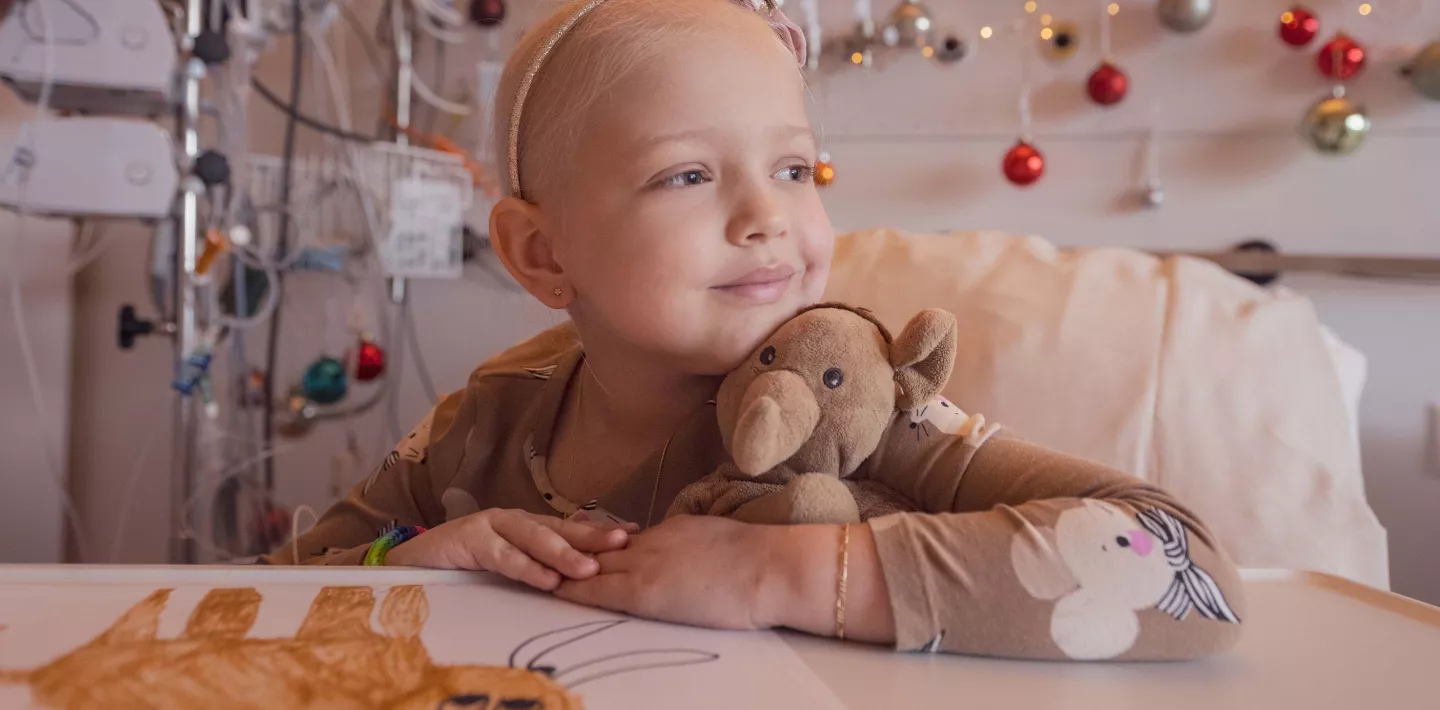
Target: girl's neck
639, 397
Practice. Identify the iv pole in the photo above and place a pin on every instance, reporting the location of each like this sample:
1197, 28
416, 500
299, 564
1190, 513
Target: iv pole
187, 116
404, 77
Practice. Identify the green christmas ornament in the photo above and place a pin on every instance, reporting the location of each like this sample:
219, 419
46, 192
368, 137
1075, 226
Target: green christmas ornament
324, 381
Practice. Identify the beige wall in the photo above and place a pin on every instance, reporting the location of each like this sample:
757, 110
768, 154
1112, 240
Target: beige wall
1252, 179
30, 508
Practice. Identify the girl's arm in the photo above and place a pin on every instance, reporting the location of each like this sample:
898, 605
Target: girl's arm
1022, 553
397, 492
1037, 555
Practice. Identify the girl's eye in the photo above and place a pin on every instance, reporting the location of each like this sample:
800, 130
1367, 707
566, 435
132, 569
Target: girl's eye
687, 179
797, 173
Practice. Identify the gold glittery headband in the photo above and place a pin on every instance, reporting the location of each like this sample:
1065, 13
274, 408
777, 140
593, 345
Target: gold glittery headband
788, 32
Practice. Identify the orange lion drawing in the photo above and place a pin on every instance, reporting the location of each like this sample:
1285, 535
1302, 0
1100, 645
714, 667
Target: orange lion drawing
335, 661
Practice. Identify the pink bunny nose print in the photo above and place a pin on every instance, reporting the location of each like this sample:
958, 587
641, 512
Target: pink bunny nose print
1137, 540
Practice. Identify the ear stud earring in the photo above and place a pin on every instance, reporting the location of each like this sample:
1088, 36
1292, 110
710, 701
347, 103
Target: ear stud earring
558, 291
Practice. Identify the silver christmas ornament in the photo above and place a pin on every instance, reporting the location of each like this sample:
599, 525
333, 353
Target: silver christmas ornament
908, 25
1336, 125
1153, 196
1423, 71
1185, 16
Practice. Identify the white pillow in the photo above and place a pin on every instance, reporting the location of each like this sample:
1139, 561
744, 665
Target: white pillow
1222, 392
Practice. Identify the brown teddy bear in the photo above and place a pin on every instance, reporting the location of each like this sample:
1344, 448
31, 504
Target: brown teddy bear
809, 406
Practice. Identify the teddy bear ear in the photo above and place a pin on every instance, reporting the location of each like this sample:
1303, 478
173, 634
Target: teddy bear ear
923, 356
1042, 572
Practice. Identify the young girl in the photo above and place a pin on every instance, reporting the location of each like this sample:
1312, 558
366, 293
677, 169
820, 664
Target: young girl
660, 165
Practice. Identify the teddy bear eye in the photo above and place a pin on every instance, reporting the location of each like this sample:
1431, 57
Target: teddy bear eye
833, 377
767, 355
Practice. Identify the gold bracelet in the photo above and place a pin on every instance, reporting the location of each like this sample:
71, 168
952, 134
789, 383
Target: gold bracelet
841, 578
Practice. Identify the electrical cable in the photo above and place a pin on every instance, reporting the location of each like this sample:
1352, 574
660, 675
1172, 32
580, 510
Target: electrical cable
432, 17
372, 52
282, 240
128, 496
434, 115
392, 404
422, 368
295, 529
418, 86
266, 310
99, 242
429, 96
227, 474
308, 121
17, 305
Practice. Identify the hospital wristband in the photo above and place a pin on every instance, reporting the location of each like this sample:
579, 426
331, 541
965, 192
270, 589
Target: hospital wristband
375, 556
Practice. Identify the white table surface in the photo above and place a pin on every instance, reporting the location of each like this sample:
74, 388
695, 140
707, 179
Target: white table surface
1311, 642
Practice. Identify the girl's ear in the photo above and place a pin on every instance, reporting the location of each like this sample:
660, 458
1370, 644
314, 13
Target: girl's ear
519, 237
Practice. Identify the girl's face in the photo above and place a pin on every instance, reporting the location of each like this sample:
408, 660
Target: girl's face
690, 227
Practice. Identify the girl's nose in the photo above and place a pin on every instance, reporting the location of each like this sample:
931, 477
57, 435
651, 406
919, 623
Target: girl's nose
759, 219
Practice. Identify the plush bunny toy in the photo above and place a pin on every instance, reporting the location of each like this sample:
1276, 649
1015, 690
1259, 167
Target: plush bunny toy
809, 406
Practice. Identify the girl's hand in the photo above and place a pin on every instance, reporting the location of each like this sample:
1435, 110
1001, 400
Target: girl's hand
703, 571
539, 550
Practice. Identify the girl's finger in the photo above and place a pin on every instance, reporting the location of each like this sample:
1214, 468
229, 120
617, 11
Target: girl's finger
586, 537
510, 561
541, 542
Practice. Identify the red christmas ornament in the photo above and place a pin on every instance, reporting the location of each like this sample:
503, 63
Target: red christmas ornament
1024, 164
1107, 85
487, 13
1298, 26
369, 361
1341, 58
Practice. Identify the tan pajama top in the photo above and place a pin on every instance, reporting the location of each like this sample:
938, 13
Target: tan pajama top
1018, 551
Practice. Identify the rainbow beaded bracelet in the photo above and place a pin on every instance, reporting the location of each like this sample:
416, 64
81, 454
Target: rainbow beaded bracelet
375, 556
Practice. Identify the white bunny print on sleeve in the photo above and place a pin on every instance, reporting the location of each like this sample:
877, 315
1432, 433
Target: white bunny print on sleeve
1102, 566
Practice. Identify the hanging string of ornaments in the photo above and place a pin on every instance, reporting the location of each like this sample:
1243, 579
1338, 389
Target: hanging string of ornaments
1334, 125
1024, 164
1107, 85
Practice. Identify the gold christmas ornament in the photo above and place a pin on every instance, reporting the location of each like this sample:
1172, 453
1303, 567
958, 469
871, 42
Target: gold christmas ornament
1336, 125
297, 416
824, 171
908, 25
1059, 40
1423, 71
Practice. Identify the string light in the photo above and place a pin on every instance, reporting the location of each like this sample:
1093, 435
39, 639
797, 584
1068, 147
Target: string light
1047, 33
928, 51
1113, 9
1046, 20
1287, 17
987, 32
857, 58
1365, 8
1030, 6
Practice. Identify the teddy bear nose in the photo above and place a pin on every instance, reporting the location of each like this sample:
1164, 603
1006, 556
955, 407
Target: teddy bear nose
1137, 540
